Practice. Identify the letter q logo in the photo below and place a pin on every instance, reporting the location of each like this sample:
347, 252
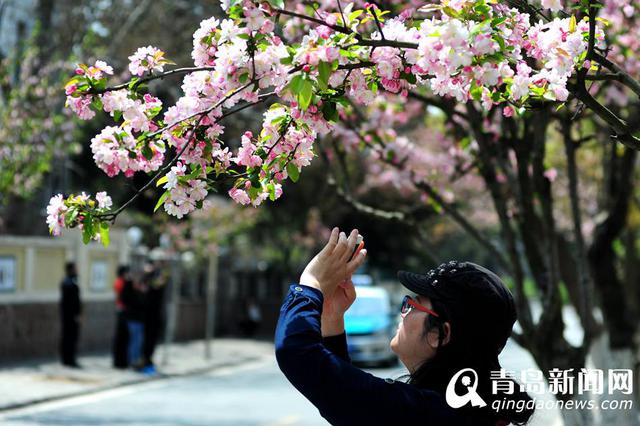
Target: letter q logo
457, 401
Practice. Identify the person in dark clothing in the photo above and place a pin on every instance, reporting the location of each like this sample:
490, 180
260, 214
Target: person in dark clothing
460, 319
153, 314
121, 336
70, 311
251, 317
133, 300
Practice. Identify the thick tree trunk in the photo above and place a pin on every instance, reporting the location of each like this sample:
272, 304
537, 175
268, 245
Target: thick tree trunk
604, 357
620, 323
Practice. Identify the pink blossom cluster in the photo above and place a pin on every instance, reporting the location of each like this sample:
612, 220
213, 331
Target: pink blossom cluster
553, 5
138, 114
73, 210
184, 193
116, 150
146, 59
81, 106
279, 155
460, 53
558, 45
624, 35
86, 76
205, 41
183, 198
55, 214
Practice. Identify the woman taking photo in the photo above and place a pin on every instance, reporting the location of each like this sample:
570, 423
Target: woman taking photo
460, 319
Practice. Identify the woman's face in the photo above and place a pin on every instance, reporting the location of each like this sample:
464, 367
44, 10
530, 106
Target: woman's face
410, 344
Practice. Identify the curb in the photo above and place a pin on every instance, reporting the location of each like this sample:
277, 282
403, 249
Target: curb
125, 383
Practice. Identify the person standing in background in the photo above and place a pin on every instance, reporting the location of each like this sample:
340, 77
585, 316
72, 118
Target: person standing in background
155, 284
121, 336
133, 299
70, 311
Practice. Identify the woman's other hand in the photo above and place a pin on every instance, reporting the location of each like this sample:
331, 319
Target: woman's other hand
333, 266
334, 307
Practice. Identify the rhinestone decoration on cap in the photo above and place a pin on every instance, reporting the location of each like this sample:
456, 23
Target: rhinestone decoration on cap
444, 269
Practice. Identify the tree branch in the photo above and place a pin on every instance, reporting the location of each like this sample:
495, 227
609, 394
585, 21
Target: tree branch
338, 28
111, 216
582, 266
620, 74
431, 192
176, 71
623, 131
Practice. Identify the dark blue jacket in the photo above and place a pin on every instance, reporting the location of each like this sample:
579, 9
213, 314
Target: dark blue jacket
345, 395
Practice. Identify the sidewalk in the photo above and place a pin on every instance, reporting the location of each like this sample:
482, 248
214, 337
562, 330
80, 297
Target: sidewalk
30, 383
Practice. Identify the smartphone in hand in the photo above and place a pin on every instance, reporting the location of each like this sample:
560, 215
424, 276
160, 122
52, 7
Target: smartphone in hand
359, 246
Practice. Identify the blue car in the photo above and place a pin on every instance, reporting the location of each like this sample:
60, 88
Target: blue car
370, 325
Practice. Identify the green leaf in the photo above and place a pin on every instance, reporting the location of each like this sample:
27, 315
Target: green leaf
133, 82
97, 103
254, 192
411, 78
450, 12
482, 9
305, 95
147, 152
104, 233
235, 10
354, 15
293, 172
295, 85
161, 201
476, 91
272, 191
164, 179
70, 217
329, 111
498, 21
324, 72
87, 230
500, 41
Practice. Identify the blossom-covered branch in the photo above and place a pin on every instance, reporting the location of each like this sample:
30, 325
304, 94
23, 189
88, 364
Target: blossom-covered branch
471, 51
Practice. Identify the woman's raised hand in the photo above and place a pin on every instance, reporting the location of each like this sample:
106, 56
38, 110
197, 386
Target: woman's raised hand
333, 265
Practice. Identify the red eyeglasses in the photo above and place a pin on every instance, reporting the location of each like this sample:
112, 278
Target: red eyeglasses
408, 303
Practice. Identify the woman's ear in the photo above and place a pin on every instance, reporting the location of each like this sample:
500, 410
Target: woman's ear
432, 336
447, 333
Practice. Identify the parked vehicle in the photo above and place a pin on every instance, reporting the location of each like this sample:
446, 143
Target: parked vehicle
370, 325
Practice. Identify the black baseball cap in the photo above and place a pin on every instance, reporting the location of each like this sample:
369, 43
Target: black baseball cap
478, 304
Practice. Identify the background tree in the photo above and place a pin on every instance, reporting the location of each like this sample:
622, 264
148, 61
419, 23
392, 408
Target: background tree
518, 86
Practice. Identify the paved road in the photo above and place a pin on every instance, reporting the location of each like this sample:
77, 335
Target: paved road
256, 394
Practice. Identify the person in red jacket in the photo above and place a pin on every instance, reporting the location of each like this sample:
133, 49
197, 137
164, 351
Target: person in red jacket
459, 320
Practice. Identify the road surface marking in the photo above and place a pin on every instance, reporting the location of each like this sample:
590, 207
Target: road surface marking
286, 421
122, 391
82, 399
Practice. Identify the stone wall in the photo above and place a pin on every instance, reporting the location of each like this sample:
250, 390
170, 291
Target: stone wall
32, 330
